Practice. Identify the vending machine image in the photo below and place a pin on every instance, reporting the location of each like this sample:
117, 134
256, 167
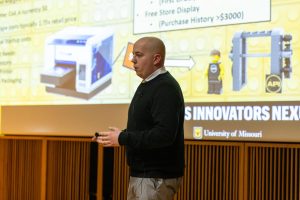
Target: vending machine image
78, 61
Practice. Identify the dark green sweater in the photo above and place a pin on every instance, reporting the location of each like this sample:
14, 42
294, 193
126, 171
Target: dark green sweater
154, 137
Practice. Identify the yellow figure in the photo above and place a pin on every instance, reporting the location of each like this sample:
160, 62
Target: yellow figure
215, 73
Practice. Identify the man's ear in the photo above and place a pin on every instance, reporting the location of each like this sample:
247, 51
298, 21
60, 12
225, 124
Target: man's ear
156, 59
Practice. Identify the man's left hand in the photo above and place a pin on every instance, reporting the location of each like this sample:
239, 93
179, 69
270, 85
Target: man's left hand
109, 138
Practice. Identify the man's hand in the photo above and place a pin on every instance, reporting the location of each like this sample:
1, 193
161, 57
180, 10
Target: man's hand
108, 138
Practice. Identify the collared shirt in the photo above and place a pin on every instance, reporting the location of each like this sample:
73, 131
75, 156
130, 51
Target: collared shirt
157, 72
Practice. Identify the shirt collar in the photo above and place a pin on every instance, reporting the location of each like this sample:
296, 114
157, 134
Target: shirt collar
157, 72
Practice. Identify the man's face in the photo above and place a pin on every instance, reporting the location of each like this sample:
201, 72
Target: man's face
143, 59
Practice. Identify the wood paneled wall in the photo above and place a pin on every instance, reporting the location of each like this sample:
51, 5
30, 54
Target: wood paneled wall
20, 169
39, 168
68, 170
272, 171
213, 171
229, 171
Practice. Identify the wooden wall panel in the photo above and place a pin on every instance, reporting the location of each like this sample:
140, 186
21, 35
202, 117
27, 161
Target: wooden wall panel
121, 174
273, 172
212, 171
20, 169
216, 170
33, 168
68, 170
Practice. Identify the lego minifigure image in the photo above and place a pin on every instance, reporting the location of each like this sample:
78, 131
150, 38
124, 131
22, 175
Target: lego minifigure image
215, 73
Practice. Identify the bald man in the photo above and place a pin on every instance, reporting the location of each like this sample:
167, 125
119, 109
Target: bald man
154, 138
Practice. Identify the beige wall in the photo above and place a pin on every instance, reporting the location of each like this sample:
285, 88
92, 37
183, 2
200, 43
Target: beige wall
62, 120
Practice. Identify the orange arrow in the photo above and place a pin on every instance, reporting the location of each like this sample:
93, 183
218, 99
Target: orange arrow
128, 56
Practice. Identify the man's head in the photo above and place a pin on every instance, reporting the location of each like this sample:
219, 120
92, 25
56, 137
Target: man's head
148, 56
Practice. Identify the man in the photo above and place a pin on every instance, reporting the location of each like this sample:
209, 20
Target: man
154, 138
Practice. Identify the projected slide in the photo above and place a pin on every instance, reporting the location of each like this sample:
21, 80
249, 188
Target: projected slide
164, 15
236, 61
